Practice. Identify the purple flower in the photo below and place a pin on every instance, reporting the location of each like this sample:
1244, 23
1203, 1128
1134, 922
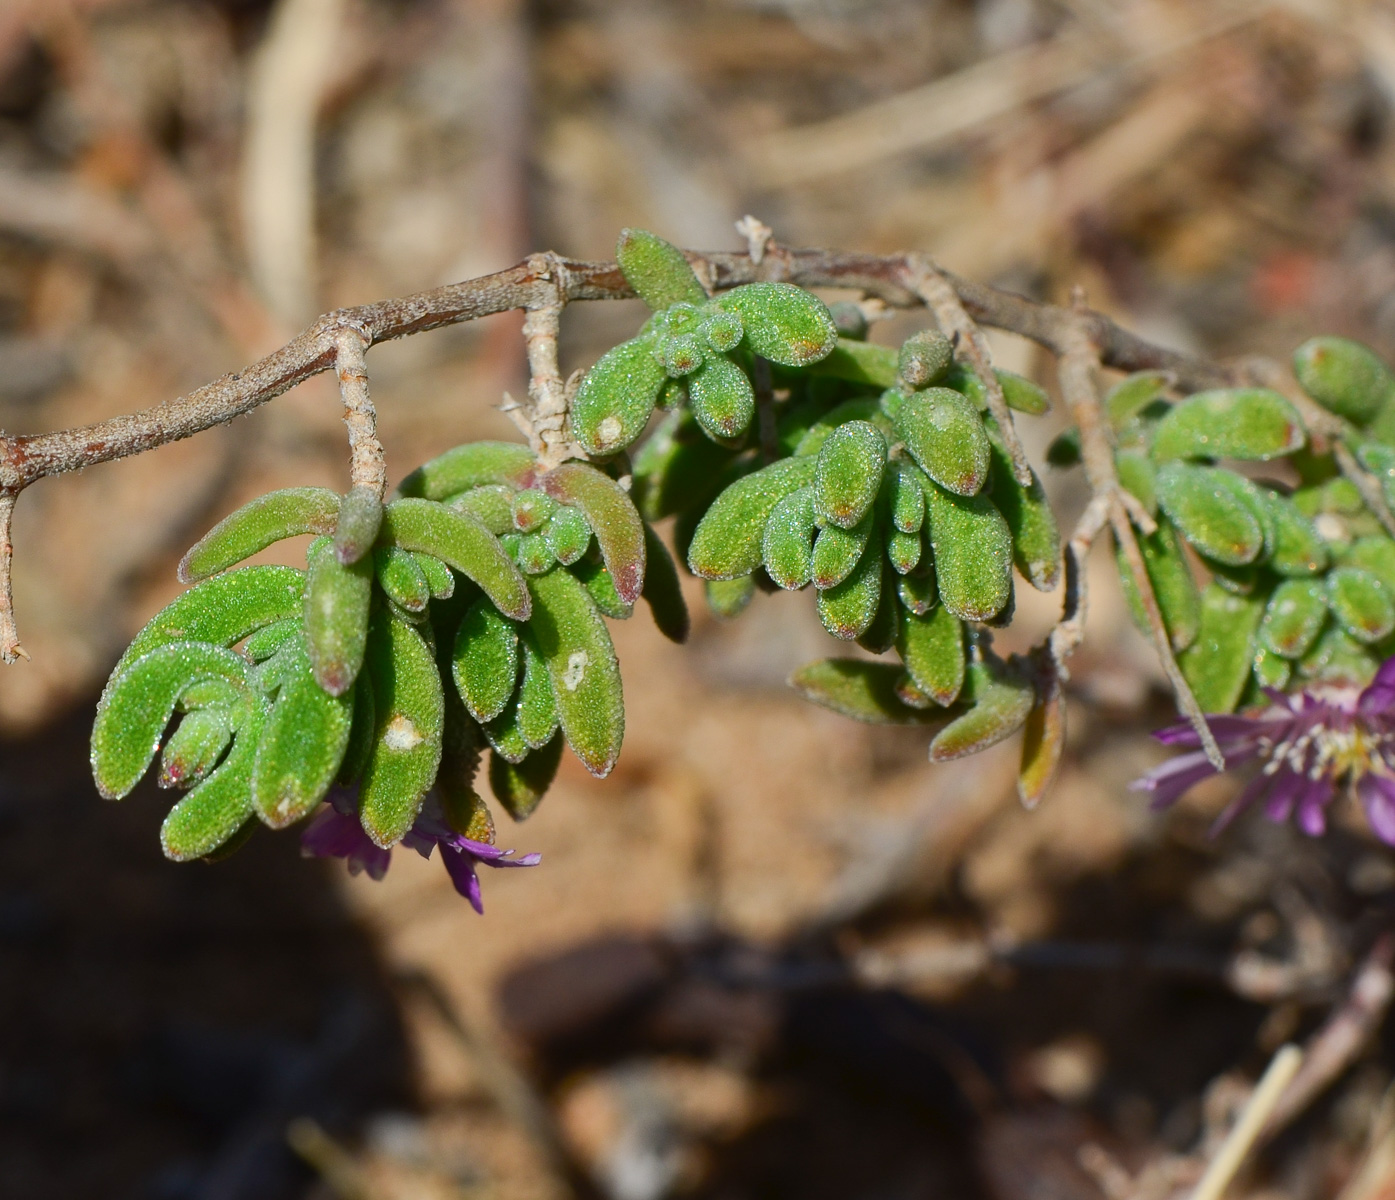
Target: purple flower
1307, 746
336, 833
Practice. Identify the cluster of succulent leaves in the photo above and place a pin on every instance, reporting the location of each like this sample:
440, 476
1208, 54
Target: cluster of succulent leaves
468, 613
464, 614
1300, 575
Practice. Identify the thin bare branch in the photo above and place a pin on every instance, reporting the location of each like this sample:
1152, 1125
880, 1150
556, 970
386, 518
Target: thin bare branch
1241, 1139
1077, 375
367, 462
10, 649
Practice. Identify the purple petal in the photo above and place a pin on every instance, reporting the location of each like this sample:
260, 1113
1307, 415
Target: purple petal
1252, 792
333, 834
1312, 806
1288, 786
1378, 796
1169, 781
1223, 728
1379, 696
461, 869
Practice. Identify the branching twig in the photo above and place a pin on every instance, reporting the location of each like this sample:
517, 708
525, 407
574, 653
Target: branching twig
542, 285
367, 462
1077, 375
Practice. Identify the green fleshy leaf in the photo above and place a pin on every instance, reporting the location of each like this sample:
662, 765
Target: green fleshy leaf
1362, 604
1256, 424
484, 661
533, 554
860, 362
568, 534
440, 581
336, 617
721, 331
847, 608
1219, 512
301, 746
932, 648
944, 434
491, 503
215, 812
850, 318
472, 465
1217, 664
617, 397
255, 526
917, 590
360, 517
1132, 394
885, 627
1294, 617
222, 610
409, 711
462, 542
862, 690
1174, 586
903, 550
1343, 376
611, 514
662, 590
1036, 541
506, 736
1375, 554
538, 718
1379, 459
531, 509
728, 598
1137, 476
401, 578
574, 642
999, 703
1019, 391
362, 732
601, 587
787, 546
1271, 670
727, 542
1337, 657
973, 553
907, 496
924, 358
520, 787
193, 750
838, 551
863, 408
139, 700
266, 642
849, 473
721, 398
1064, 450
657, 270
783, 323
1297, 549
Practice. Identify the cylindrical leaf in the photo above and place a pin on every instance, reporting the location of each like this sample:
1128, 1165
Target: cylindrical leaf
787, 546
1297, 547
611, 514
568, 534
849, 473
1247, 423
1294, 617
945, 435
1000, 702
847, 608
1036, 541
662, 590
865, 691
484, 662
537, 702
573, 641
838, 551
256, 525
924, 358
1174, 586
1361, 603
783, 323
657, 270
520, 787
1218, 663
727, 542
472, 465
400, 576
932, 647
212, 815
193, 749
617, 397
1344, 377
336, 617
721, 397
973, 553
1215, 510
360, 516
409, 720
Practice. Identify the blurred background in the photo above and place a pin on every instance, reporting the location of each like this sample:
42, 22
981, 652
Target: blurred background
776, 954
